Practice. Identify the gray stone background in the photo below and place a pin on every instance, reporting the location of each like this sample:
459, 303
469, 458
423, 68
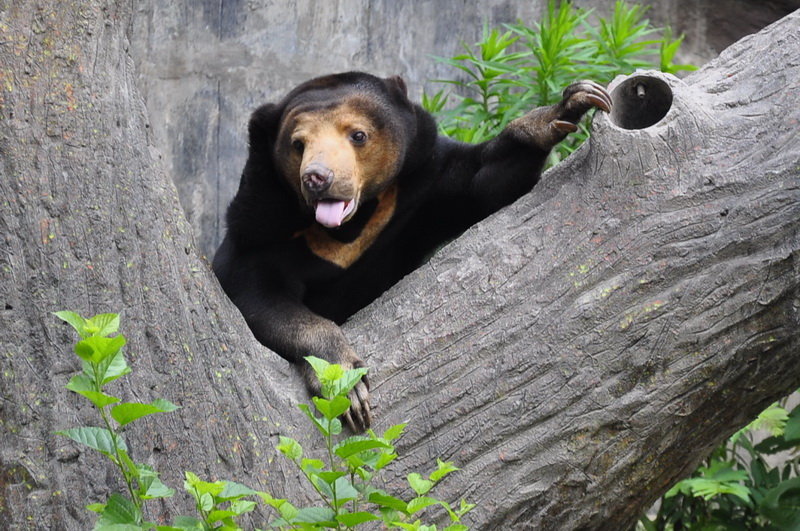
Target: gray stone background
204, 65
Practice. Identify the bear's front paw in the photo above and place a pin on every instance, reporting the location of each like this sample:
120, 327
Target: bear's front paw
358, 417
576, 100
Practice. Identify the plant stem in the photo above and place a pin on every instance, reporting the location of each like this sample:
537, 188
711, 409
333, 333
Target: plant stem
128, 480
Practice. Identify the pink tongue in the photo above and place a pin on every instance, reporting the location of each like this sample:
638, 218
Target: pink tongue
330, 213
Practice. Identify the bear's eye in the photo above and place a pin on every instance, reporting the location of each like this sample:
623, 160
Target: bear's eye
358, 137
298, 145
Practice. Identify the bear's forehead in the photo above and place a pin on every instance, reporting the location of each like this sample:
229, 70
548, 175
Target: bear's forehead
359, 110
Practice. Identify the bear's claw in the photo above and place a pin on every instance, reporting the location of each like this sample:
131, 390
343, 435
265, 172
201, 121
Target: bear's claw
358, 417
581, 96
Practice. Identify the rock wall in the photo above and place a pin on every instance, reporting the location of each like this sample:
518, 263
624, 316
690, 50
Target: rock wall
204, 65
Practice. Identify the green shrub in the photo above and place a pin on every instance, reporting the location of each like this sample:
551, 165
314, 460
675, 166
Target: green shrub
737, 487
519, 67
343, 478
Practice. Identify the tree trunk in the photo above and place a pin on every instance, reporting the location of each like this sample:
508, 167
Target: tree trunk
574, 354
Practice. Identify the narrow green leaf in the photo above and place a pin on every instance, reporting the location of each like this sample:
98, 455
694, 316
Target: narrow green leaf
97, 438
792, 428
96, 507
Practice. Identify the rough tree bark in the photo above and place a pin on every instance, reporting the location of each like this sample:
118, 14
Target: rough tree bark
575, 354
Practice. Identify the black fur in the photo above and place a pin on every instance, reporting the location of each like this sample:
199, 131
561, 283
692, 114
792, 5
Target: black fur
289, 296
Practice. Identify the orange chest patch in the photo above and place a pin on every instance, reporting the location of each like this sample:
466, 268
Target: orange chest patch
344, 254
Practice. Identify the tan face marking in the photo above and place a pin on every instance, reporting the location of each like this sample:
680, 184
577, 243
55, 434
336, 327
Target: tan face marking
345, 254
360, 170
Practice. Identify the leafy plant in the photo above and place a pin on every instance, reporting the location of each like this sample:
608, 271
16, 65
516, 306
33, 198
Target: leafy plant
510, 71
343, 479
102, 362
737, 487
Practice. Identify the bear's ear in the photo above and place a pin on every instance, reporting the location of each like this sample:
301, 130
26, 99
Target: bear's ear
263, 126
397, 88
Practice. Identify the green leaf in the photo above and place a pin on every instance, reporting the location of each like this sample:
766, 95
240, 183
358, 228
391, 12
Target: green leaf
119, 510
348, 380
331, 408
242, 506
96, 507
112, 368
130, 411
385, 500
781, 504
197, 486
218, 515
394, 432
442, 469
330, 476
421, 486
95, 349
233, 490
103, 324
150, 485
464, 508
97, 438
83, 385
354, 519
318, 364
184, 523
316, 515
76, 321
792, 428
355, 445
419, 503
323, 429
385, 459
345, 490
290, 448
205, 502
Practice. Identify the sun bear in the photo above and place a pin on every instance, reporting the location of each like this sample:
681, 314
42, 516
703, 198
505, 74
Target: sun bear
347, 188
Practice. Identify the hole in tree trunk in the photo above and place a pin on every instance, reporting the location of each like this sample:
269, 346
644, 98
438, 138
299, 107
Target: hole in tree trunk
640, 101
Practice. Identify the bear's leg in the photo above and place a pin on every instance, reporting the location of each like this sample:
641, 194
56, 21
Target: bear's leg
294, 332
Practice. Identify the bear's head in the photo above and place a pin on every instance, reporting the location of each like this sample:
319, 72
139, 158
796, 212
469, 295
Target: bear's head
337, 141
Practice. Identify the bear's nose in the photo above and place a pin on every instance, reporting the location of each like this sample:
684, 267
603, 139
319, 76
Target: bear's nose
316, 179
